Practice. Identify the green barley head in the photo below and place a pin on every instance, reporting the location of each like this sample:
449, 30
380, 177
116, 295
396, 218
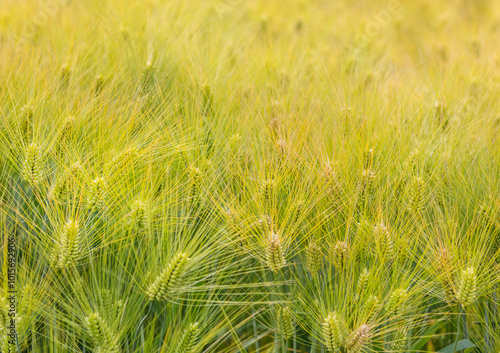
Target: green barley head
65, 134
467, 287
362, 283
396, 304
4, 315
60, 189
358, 339
275, 253
119, 163
65, 74
97, 194
331, 181
188, 340
314, 258
104, 339
98, 85
340, 255
365, 185
32, 165
417, 199
446, 275
399, 341
26, 123
67, 250
137, 218
368, 158
333, 332
384, 244
299, 211
372, 307
169, 279
284, 320
267, 193
195, 177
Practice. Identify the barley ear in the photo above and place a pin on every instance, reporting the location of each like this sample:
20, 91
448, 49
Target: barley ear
357, 339
362, 283
188, 340
67, 252
340, 255
333, 332
314, 258
396, 303
275, 253
284, 320
97, 194
467, 287
32, 165
168, 280
102, 336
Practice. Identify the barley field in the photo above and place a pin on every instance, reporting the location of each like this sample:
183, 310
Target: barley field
249, 176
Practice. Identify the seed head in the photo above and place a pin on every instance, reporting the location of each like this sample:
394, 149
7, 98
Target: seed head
282, 150
397, 302
65, 74
398, 344
340, 255
188, 340
68, 250
416, 202
102, 336
446, 275
333, 332
362, 283
99, 84
26, 124
137, 217
267, 192
414, 160
60, 189
4, 316
275, 254
167, 282
357, 339
65, 134
467, 287
331, 181
195, 176
119, 163
299, 211
368, 158
365, 185
284, 321
384, 245
97, 194
32, 165
314, 258
372, 307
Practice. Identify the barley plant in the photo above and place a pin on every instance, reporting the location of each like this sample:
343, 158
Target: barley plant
249, 176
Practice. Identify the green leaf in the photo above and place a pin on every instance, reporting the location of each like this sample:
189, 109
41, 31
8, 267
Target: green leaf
426, 336
460, 346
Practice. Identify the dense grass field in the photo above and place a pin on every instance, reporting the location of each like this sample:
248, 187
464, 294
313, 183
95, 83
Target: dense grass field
249, 176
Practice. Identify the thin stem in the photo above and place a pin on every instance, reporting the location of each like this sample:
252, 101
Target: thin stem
464, 325
458, 328
255, 332
487, 322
